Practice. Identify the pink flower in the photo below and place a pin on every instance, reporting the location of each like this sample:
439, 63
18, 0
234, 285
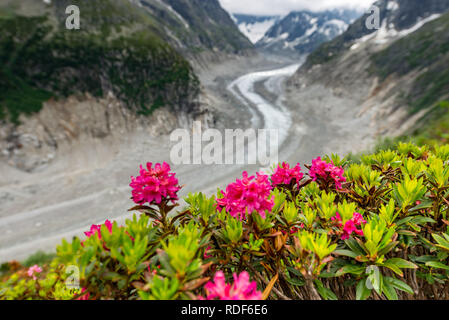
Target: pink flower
350, 225
284, 175
32, 271
96, 229
358, 219
294, 229
206, 255
84, 296
337, 218
248, 194
242, 289
153, 272
154, 184
324, 170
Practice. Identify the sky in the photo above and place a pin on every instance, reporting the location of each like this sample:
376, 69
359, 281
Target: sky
283, 7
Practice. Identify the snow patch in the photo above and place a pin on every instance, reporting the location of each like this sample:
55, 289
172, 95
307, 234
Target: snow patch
387, 33
256, 31
417, 26
284, 35
392, 6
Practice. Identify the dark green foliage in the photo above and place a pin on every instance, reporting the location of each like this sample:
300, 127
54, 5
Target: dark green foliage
19, 97
426, 49
39, 61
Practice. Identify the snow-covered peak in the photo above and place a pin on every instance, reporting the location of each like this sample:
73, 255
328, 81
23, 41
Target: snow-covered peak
254, 27
392, 5
304, 31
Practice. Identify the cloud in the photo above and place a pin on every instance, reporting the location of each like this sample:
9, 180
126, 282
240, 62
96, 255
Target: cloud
283, 7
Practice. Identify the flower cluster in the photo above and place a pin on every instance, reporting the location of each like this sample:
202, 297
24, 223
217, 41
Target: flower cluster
154, 184
32, 271
283, 174
242, 289
350, 225
324, 170
96, 229
247, 195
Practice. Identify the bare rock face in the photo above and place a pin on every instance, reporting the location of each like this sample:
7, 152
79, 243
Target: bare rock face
62, 124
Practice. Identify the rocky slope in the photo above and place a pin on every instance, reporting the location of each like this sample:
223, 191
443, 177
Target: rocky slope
302, 32
201, 30
130, 65
391, 77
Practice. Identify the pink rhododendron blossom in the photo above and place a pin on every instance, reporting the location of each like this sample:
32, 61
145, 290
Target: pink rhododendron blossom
96, 229
324, 170
206, 255
154, 184
247, 195
153, 272
84, 296
358, 219
241, 289
284, 175
32, 271
350, 225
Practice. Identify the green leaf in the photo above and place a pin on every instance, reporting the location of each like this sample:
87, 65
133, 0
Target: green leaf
346, 253
389, 290
423, 220
362, 292
324, 292
438, 265
400, 285
393, 267
295, 272
424, 205
404, 221
354, 246
401, 263
424, 259
374, 278
354, 269
295, 282
407, 233
388, 248
441, 241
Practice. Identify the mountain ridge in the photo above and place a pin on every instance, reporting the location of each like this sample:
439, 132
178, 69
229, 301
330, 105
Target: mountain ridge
394, 80
125, 68
395, 15
301, 32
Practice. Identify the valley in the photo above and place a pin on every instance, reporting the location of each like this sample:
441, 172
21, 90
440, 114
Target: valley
68, 164
90, 184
